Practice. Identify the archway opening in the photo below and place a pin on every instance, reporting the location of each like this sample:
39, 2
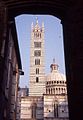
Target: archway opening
54, 49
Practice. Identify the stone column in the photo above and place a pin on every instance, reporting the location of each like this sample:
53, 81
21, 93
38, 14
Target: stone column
73, 47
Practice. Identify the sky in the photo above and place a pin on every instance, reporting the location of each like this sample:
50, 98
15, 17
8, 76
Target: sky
54, 47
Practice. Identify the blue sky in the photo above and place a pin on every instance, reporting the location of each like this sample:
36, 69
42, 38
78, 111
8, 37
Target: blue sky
53, 42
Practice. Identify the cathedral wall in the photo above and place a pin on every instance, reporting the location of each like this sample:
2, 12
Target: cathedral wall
31, 108
55, 107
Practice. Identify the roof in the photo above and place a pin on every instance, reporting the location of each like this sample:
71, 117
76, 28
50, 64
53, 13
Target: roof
54, 76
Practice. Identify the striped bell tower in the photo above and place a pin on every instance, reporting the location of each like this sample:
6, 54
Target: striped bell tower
37, 67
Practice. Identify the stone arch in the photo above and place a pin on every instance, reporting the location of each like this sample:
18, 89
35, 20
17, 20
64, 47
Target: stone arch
71, 14
33, 106
16, 8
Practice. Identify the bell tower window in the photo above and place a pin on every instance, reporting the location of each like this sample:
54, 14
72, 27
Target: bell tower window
37, 70
37, 34
37, 44
37, 61
37, 53
37, 79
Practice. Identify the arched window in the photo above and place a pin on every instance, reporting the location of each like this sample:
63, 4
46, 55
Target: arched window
37, 61
37, 70
34, 106
47, 83
37, 79
63, 82
40, 35
56, 110
54, 81
54, 90
60, 82
49, 91
46, 91
57, 82
62, 90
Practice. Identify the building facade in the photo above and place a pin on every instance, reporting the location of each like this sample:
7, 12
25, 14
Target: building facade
22, 92
55, 99
47, 98
10, 77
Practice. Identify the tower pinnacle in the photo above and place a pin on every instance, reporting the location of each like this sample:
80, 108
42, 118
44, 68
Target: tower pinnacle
32, 25
36, 20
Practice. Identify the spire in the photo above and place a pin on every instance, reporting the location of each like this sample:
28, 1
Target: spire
32, 25
37, 25
36, 20
43, 26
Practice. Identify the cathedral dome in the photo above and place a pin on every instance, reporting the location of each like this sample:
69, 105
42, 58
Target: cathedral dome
55, 75
55, 81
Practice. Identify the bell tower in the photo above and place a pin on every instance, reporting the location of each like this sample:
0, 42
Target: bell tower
37, 67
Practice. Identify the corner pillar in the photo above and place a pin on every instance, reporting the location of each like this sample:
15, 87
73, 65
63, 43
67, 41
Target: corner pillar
73, 48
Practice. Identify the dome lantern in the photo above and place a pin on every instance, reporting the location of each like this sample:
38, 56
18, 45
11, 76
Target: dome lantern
53, 66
